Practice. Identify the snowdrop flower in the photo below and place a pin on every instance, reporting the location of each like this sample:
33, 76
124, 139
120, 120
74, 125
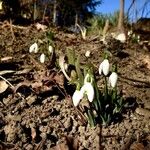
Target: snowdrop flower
42, 58
87, 54
88, 89
104, 67
77, 96
130, 33
113, 79
138, 38
33, 48
134, 35
50, 49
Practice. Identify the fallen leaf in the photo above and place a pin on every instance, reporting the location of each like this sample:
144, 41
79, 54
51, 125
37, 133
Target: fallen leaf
61, 146
33, 133
137, 146
3, 86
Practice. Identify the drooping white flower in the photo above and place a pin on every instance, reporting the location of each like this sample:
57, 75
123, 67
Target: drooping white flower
77, 96
87, 54
130, 33
42, 58
138, 38
33, 48
88, 89
50, 49
113, 79
104, 67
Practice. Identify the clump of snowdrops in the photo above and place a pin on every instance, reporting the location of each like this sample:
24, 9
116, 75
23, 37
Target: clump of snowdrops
97, 105
46, 48
135, 38
47, 53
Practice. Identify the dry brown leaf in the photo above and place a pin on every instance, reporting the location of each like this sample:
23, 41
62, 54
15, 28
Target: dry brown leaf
3, 86
33, 133
61, 146
59, 79
70, 143
137, 146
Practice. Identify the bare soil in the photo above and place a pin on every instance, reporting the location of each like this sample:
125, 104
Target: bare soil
36, 111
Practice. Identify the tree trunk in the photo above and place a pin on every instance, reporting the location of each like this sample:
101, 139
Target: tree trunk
121, 17
76, 19
55, 13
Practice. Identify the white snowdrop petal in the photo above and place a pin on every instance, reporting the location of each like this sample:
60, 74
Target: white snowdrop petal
113, 79
77, 96
100, 68
33, 48
42, 58
89, 90
87, 54
90, 93
105, 67
50, 49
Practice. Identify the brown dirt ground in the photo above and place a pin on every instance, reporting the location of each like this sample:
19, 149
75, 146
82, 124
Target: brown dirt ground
37, 113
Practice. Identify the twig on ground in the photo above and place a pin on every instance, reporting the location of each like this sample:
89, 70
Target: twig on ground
7, 82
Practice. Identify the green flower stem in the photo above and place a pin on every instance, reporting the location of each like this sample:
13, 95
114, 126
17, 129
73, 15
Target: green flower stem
91, 118
114, 95
96, 101
106, 89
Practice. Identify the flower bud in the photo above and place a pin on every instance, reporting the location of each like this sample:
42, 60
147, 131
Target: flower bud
104, 67
77, 96
50, 49
113, 79
42, 58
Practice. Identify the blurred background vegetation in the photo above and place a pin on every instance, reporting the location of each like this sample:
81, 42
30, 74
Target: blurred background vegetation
64, 13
